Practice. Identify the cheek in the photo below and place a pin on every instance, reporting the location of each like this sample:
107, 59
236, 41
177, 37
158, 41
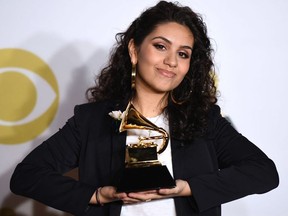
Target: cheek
184, 69
150, 56
143, 61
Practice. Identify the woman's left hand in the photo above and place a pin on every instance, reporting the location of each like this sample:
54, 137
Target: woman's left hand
182, 189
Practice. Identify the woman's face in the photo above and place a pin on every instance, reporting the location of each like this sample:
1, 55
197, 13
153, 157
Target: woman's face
163, 59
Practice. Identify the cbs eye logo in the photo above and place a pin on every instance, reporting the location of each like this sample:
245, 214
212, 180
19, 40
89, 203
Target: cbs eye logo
29, 96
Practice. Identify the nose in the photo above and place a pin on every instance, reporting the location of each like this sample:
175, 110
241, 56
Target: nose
171, 60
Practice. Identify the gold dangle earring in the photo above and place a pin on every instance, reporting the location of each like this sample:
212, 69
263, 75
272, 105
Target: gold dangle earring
133, 76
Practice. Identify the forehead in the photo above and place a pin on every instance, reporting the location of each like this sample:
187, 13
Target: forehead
174, 32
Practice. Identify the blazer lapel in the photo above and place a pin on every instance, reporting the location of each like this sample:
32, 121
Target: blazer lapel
118, 154
118, 146
117, 164
176, 157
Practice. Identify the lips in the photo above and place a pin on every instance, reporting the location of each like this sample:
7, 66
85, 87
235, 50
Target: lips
166, 73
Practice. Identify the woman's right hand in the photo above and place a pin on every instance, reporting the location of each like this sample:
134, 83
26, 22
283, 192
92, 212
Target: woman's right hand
106, 194
109, 194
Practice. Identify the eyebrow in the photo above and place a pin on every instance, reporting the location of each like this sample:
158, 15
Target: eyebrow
168, 41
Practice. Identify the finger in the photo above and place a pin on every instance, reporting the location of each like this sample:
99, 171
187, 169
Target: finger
144, 192
166, 191
121, 195
146, 197
129, 200
148, 191
139, 196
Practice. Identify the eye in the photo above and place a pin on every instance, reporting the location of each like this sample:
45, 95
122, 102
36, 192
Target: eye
184, 55
159, 46
45, 94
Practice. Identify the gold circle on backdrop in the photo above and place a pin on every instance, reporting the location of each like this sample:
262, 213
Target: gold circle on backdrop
18, 92
18, 96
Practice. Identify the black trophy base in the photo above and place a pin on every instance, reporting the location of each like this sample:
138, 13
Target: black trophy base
145, 178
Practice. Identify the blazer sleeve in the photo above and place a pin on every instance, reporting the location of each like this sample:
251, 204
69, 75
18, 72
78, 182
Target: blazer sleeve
40, 174
243, 168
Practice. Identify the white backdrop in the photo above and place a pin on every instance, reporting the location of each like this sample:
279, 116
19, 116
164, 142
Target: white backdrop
74, 38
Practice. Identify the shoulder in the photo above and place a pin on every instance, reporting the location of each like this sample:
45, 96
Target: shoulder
214, 113
216, 116
88, 112
216, 121
89, 116
93, 108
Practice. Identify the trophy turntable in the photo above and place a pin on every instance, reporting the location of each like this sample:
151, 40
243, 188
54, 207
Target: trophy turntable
143, 171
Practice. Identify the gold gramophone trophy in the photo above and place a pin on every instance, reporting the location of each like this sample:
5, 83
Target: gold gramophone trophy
143, 171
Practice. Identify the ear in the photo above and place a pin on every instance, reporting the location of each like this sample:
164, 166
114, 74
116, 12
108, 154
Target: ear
132, 52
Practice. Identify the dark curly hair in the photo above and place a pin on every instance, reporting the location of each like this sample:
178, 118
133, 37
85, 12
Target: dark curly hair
189, 103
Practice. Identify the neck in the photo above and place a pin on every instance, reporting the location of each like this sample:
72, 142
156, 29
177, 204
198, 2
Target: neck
150, 105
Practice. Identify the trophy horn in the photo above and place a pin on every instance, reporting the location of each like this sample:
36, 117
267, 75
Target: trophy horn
133, 119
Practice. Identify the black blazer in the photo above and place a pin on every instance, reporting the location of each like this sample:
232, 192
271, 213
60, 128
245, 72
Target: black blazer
220, 167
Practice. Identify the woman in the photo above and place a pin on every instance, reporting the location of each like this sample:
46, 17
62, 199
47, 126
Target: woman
171, 84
